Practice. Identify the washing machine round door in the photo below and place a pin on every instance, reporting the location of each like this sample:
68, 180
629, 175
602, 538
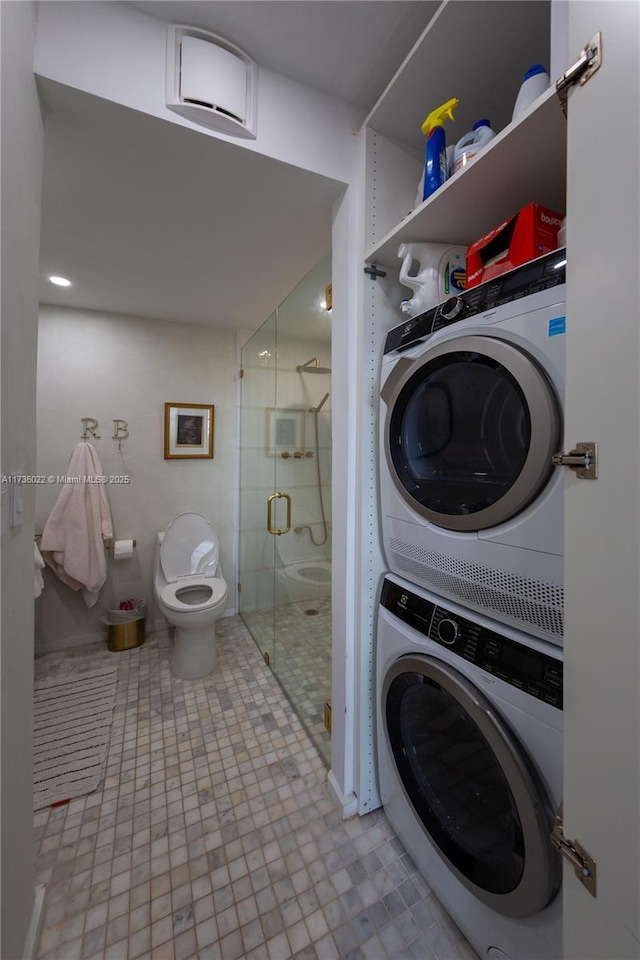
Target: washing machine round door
470, 430
474, 791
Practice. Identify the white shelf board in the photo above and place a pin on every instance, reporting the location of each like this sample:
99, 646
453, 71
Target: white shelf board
478, 52
525, 163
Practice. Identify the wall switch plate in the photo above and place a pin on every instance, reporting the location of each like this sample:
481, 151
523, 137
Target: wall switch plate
16, 501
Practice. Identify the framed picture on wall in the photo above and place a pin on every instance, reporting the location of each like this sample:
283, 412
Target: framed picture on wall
188, 431
285, 432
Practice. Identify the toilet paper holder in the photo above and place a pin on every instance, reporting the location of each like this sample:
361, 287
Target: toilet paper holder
109, 543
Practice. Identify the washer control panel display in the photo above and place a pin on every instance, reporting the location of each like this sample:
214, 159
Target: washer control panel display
529, 670
532, 277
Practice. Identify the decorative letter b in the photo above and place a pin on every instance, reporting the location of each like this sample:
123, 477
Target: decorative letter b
120, 430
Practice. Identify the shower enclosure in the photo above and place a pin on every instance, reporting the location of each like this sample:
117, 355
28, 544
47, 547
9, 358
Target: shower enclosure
285, 498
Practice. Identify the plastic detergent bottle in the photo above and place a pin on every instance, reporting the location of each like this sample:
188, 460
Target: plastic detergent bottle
440, 274
435, 160
468, 147
535, 82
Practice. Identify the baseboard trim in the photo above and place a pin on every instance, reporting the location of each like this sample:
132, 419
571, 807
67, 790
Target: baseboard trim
35, 924
348, 803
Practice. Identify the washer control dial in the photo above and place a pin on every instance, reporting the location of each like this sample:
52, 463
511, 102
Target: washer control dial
448, 631
452, 308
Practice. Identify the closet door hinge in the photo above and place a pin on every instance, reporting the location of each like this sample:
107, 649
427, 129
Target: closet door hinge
583, 460
326, 716
582, 70
571, 850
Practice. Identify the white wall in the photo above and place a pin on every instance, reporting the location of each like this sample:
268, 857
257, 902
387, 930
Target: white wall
117, 53
106, 367
22, 145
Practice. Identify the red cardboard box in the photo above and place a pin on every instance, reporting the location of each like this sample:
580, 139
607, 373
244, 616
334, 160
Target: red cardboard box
532, 232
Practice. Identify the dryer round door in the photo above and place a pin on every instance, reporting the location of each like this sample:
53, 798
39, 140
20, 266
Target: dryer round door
475, 793
470, 430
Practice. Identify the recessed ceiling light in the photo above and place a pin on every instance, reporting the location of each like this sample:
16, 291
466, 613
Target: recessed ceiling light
60, 281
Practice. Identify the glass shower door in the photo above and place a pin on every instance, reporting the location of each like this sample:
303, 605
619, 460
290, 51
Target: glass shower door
257, 484
285, 498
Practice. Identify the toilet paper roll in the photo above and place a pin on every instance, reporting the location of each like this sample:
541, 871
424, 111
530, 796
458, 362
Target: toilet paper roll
123, 549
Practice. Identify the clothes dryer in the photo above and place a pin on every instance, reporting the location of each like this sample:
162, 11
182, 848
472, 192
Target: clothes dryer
471, 414
470, 754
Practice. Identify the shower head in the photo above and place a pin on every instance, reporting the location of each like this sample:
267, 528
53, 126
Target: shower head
320, 405
307, 368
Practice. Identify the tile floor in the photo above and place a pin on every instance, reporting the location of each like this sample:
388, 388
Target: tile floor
300, 655
213, 835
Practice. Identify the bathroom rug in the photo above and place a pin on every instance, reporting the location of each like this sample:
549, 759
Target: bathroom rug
72, 716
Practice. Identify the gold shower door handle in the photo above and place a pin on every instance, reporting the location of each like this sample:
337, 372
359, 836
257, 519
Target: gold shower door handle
278, 531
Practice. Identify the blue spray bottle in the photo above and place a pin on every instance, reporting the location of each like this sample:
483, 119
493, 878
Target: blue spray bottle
435, 162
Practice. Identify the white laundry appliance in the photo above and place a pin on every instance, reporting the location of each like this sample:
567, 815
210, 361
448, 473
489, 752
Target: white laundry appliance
470, 759
471, 414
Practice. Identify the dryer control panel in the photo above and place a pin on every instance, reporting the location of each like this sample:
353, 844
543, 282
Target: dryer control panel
527, 669
532, 277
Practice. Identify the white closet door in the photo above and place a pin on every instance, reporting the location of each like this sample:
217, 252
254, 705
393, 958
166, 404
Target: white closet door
602, 702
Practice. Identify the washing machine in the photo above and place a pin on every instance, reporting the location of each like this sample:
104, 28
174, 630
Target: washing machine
470, 755
471, 414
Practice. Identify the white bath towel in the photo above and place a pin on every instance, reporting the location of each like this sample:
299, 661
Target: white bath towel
73, 538
38, 564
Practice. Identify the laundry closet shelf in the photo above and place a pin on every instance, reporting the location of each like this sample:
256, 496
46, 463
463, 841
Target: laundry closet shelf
525, 163
477, 52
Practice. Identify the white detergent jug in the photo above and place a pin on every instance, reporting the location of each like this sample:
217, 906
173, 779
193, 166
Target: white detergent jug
535, 82
441, 273
469, 146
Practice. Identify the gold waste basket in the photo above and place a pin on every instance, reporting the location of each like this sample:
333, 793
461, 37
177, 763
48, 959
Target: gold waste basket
125, 636
126, 624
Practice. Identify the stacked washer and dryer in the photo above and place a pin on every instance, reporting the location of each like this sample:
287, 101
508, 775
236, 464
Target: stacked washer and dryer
469, 666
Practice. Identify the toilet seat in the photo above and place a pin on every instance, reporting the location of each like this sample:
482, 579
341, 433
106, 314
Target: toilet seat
218, 594
189, 548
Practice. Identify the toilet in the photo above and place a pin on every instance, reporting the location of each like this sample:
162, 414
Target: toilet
303, 571
191, 592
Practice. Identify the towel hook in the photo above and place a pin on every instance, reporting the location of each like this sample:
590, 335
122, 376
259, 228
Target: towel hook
90, 425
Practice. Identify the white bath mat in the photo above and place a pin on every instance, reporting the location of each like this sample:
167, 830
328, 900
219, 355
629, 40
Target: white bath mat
72, 726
